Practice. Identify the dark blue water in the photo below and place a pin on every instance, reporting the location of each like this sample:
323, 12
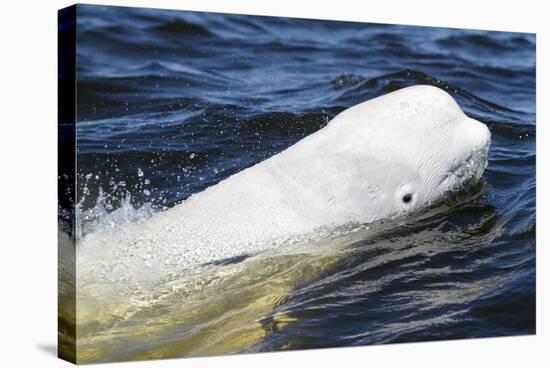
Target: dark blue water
170, 103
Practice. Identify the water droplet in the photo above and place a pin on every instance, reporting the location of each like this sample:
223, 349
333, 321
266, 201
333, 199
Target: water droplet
140, 172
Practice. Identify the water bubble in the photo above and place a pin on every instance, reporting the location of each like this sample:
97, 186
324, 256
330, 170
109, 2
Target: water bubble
192, 156
140, 172
147, 181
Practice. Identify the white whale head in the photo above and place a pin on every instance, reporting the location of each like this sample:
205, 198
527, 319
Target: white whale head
413, 146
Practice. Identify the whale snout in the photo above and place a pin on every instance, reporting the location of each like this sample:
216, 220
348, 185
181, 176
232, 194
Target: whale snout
473, 149
477, 135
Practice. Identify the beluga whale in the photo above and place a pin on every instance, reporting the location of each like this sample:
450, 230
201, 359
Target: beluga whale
380, 159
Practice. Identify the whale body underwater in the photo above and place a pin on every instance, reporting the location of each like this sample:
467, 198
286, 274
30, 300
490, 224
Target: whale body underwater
380, 159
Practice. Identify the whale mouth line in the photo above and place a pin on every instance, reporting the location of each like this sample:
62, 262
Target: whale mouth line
468, 172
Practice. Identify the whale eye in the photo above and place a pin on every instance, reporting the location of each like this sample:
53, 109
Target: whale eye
405, 196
